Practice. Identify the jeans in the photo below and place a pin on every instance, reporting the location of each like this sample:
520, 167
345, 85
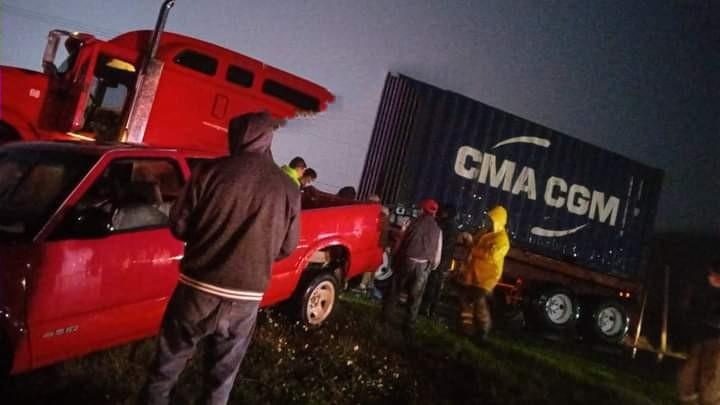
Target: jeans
413, 275
433, 291
192, 316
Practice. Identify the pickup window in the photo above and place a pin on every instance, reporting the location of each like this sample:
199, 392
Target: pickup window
130, 194
32, 186
133, 193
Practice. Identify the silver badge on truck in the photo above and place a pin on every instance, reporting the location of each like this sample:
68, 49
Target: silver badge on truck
62, 331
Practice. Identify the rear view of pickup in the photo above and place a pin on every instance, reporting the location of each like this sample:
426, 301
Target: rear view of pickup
87, 260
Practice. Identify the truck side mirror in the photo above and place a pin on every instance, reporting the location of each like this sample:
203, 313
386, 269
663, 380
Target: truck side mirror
85, 223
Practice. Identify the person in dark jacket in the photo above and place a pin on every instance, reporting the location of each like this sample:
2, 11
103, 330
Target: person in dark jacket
347, 192
417, 255
308, 177
699, 377
237, 214
436, 279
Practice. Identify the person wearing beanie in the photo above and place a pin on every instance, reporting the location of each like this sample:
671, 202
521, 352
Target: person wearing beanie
419, 253
237, 215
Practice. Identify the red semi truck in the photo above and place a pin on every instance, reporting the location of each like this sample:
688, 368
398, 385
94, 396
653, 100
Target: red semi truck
149, 87
83, 271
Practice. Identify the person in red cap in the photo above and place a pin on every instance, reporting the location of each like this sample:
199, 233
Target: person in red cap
418, 254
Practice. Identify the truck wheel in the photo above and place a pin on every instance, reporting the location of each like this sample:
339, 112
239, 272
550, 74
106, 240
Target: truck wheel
555, 308
318, 299
606, 321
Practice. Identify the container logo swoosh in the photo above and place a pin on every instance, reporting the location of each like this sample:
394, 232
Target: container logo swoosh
552, 233
524, 139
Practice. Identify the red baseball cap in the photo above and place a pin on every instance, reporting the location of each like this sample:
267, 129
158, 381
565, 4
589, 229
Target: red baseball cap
429, 206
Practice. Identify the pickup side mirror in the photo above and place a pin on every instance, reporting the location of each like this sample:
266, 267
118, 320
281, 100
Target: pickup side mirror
85, 223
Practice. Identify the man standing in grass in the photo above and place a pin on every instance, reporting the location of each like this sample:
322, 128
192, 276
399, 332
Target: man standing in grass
237, 214
418, 254
481, 274
699, 376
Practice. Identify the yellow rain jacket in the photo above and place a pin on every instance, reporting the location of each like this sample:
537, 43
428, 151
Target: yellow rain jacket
485, 262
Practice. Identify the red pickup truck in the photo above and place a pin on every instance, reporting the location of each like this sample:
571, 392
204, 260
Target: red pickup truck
87, 260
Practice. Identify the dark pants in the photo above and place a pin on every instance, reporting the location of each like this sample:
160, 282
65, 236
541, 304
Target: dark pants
699, 377
191, 316
411, 275
475, 316
433, 291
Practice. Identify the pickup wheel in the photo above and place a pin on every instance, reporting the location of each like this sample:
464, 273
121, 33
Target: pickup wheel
318, 299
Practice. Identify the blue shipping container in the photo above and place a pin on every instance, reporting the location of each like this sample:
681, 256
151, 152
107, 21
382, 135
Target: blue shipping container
566, 198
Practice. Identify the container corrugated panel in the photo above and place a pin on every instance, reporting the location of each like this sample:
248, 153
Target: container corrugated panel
566, 198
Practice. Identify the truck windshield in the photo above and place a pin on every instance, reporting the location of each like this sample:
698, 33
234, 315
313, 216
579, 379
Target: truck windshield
32, 186
111, 85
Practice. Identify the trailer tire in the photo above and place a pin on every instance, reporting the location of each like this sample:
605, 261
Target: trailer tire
605, 320
554, 308
318, 299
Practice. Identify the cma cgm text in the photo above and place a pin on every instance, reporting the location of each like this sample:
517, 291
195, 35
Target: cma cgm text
482, 167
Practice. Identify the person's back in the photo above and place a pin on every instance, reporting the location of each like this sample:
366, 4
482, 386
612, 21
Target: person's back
247, 206
237, 215
417, 256
478, 277
421, 239
487, 256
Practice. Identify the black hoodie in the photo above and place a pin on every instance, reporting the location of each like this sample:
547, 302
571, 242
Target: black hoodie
237, 214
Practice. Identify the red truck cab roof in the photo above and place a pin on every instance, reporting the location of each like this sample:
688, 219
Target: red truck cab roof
241, 70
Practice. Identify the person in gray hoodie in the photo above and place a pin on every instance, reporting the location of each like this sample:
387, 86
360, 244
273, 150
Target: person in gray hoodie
237, 214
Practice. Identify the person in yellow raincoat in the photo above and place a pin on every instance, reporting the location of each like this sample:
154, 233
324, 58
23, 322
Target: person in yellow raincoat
480, 274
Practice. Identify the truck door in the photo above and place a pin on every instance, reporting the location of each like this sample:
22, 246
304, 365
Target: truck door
112, 263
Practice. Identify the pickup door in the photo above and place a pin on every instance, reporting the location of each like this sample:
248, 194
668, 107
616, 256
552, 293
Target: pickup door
111, 262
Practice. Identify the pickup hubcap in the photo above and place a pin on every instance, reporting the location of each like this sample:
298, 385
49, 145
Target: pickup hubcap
321, 302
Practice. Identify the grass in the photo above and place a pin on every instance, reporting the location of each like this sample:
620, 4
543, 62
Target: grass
354, 360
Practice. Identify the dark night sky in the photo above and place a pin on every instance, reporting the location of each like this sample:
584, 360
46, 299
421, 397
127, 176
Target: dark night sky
636, 77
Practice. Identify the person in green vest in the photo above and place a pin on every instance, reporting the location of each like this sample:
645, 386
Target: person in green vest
295, 169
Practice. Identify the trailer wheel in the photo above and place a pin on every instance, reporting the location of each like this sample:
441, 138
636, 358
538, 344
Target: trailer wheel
555, 308
318, 299
606, 321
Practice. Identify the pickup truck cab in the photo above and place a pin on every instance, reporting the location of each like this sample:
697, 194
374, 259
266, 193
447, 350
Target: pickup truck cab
87, 260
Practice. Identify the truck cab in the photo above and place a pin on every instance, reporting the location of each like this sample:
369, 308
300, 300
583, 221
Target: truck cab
183, 96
